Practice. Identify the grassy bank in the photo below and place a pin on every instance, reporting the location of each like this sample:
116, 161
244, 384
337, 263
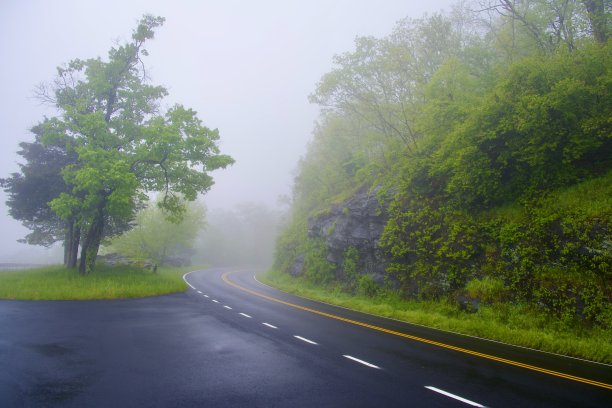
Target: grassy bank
58, 283
513, 324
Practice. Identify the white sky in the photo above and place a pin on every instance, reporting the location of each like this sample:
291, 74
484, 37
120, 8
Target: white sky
246, 67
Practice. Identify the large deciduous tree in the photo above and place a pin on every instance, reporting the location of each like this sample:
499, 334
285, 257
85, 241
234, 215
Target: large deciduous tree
124, 145
381, 83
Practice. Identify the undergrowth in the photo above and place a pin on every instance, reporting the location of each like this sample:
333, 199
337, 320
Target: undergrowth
510, 323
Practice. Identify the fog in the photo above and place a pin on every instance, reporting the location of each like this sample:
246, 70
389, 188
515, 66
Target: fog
246, 67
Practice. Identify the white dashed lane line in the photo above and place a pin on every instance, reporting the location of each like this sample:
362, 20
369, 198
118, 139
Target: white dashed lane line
458, 398
305, 340
365, 363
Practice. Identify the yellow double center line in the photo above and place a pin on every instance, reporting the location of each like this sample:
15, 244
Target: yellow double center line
408, 336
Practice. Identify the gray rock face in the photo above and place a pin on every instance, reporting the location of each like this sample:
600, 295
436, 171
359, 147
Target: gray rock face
297, 269
358, 222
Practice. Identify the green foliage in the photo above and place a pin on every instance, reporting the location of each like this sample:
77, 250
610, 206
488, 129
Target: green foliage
487, 289
491, 150
450, 97
290, 243
553, 252
335, 161
382, 80
123, 143
38, 182
547, 124
432, 249
350, 264
549, 26
511, 323
570, 294
535, 140
156, 239
557, 253
367, 287
316, 266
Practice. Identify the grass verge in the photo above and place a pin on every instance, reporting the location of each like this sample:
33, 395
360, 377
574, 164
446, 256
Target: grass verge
513, 324
120, 282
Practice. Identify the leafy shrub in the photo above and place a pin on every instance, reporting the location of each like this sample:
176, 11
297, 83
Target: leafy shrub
349, 266
432, 249
367, 287
487, 289
317, 268
569, 296
290, 244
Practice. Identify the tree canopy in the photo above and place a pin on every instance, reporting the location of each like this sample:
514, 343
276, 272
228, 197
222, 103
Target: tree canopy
110, 120
39, 181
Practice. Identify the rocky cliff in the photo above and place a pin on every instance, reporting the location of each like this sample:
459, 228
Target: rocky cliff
355, 223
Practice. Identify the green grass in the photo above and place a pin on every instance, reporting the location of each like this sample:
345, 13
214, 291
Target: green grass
513, 324
59, 283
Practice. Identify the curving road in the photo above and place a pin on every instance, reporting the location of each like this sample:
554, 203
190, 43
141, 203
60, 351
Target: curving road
230, 341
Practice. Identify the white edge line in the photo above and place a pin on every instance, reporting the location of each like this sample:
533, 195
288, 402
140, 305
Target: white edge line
365, 363
448, 394
185, 279
227, 307
435, 328
305, 340
270, 325
245, 315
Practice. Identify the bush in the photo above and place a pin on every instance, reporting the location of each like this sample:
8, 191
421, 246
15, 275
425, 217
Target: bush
349, 266
487, 289
367, 286
433, 249
570, 295
316, 266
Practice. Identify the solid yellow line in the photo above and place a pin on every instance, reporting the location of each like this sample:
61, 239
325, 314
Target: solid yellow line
435, 343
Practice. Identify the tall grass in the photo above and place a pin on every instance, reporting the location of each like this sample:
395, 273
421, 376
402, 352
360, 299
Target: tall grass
59, 283
512, 324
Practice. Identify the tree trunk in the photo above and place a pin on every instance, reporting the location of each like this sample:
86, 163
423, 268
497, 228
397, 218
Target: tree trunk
91, 244
71, 244
596, 11
74, 251
68, 242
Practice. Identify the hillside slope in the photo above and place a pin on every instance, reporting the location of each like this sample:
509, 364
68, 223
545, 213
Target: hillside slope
458, 165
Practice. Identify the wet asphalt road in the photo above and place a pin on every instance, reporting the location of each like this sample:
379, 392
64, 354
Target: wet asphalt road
220, 346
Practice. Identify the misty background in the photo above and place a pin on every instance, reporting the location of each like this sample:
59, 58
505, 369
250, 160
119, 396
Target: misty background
245, 67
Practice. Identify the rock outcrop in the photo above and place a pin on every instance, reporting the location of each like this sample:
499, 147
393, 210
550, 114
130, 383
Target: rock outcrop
356, 223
